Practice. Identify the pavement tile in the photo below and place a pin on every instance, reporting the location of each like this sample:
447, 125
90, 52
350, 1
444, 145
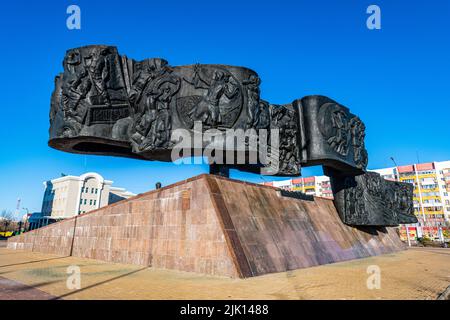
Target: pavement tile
417, 273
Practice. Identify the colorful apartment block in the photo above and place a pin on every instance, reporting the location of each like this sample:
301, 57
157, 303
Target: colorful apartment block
318, 186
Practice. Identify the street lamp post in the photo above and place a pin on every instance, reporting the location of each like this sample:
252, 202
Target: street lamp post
26, 221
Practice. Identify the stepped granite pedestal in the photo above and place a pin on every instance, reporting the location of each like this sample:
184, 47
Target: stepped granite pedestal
213, 225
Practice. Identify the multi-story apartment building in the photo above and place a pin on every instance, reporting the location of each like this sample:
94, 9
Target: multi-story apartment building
431, 196
69, 196
318, 186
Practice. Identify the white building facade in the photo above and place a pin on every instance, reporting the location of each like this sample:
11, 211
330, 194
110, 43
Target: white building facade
69, 196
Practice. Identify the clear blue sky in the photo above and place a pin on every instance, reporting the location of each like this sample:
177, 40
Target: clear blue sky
396, 79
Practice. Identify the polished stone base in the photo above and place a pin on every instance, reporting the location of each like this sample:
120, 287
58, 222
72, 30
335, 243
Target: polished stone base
213, 225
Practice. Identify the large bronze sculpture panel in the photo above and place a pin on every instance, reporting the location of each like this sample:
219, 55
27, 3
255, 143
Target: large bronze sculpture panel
335, 136
370, 200
108, 104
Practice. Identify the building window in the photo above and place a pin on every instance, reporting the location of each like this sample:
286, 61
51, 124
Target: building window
96, 190
90, 202
84, 201
95, 202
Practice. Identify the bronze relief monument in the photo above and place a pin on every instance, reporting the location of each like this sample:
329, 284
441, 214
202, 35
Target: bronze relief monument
105, 103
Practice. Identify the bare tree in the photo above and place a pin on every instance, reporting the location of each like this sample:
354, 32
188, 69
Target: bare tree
6, 219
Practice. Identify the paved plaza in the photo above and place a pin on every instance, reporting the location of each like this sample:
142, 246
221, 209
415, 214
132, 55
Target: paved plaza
418, 273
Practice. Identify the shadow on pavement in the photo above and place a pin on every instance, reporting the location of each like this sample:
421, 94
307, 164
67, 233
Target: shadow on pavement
28, 262
99, 283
